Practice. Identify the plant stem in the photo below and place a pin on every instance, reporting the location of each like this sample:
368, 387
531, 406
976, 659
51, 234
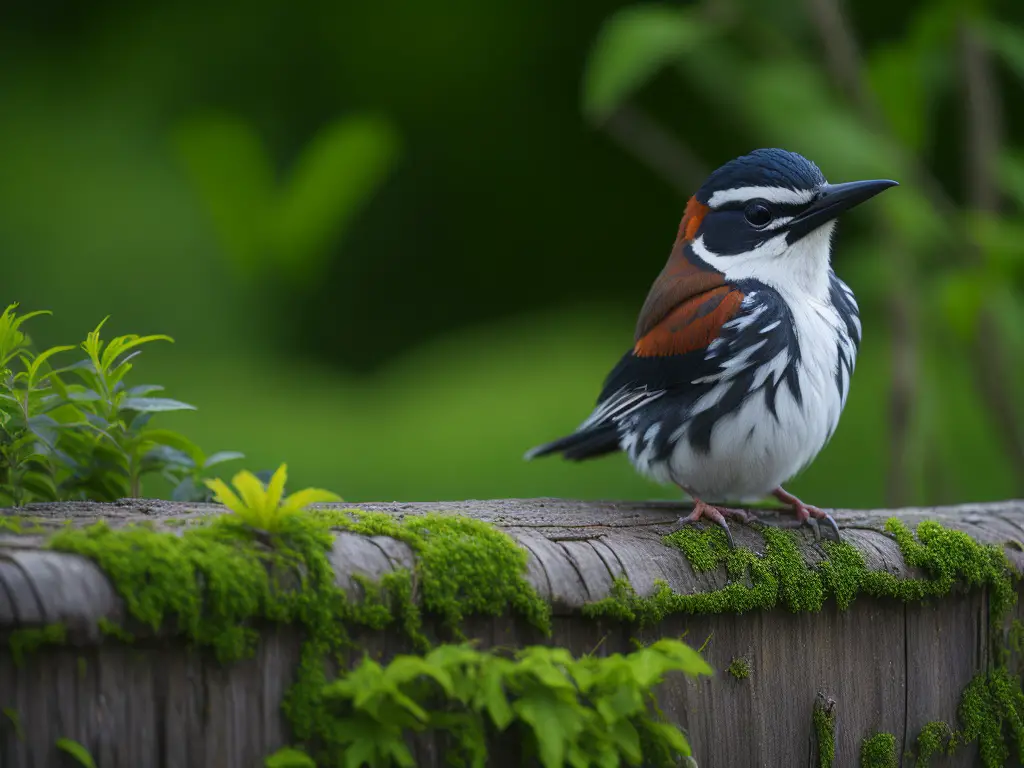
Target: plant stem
656, 148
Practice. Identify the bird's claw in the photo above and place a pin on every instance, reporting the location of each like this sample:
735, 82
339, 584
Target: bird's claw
807, 514
716, 515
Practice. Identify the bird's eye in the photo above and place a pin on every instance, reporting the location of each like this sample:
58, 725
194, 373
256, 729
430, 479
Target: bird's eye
757, 214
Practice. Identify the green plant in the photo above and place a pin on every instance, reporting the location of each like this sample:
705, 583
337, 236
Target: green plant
264, 507
286, 228
936, 738
878, 751
30, 414
91, 438
289, 757
555, 708
739, 668
79, 753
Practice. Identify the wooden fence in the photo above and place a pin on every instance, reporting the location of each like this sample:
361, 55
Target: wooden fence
882, 664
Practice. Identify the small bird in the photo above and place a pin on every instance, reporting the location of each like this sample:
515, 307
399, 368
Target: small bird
744, 347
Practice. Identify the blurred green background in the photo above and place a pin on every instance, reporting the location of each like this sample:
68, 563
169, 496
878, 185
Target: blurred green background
399, 243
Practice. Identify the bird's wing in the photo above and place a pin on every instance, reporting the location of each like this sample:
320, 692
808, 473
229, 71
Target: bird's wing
734, 339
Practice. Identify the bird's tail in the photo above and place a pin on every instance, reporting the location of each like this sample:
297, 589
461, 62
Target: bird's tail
585, 444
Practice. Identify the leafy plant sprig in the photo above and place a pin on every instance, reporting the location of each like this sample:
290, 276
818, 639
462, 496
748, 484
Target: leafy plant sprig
264, 507
87, 440
556, 708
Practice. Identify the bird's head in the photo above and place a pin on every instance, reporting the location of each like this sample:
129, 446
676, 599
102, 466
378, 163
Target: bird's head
769, 216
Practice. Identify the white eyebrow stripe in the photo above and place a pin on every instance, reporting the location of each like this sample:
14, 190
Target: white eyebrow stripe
771, 194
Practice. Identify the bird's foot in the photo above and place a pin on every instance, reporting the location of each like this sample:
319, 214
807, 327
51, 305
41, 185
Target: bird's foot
717, 515
806, 514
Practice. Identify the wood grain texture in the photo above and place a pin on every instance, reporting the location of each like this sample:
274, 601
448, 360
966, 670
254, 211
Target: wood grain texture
888, 666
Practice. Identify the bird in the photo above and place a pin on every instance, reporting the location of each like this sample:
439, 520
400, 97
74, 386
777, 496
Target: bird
744, 348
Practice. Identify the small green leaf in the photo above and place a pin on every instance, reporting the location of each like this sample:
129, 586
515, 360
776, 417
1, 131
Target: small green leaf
77, 751
554, 723
234, 177
333, 178
39, 361
632, 46
175, 440
220, 457
154, 404
40, 485
144, 389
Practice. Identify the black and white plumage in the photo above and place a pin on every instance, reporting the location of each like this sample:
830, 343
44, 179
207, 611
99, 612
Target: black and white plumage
745, 346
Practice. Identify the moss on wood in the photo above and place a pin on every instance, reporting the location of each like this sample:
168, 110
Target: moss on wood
216, 582
936, 738
878, 751
739, 668
781, 576
25, 641
825, 729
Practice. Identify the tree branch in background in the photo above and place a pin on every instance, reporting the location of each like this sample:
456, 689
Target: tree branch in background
842, 59
984, 135
656, 148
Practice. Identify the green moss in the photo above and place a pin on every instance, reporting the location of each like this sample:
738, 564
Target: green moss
936, 738
781, 577
991, 710
825, 728
25, 641
739, 668
114, 630
216, 583
463, 566
878, 751
20, 524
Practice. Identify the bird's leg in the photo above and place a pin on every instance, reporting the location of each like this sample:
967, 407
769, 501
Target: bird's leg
703, 510
806, 513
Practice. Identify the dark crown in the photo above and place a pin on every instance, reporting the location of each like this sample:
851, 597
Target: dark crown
763, 168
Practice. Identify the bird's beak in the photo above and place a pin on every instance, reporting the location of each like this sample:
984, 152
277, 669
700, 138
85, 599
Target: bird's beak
832, 201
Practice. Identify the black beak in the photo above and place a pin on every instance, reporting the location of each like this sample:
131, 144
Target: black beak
832, 201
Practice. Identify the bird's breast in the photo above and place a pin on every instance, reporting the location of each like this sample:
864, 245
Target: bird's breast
740, 436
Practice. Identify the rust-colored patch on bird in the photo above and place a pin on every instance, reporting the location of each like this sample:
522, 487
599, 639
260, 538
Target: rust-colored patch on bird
679, 281
691, 326
692, 217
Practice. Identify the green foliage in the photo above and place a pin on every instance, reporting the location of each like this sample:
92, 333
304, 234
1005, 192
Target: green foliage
781, 577
878, 751
286, 229
936, 738
25, 641
824, 717
559, 710
739, 668
89, 439
289, 757
634, 44
462, 565
77, 751
265, 507
217, 582
991, 710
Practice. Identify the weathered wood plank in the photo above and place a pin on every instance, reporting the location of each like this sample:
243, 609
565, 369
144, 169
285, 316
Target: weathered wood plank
888, 665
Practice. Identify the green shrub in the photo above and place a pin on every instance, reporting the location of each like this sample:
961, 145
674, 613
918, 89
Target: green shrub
80, 431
